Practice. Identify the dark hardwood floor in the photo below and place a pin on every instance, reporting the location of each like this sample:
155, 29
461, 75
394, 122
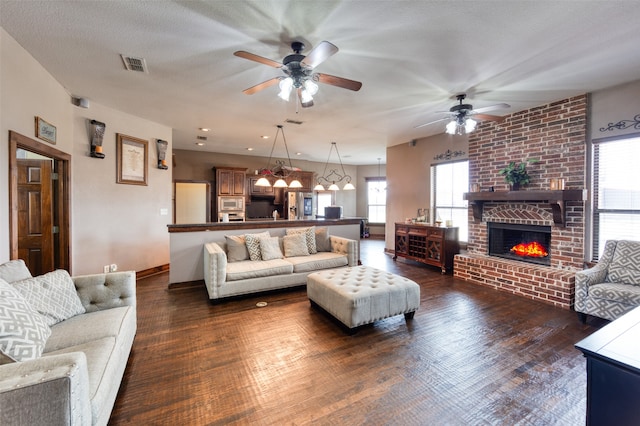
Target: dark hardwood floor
471, 356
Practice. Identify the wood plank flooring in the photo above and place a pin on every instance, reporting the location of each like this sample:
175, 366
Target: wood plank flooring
471, 356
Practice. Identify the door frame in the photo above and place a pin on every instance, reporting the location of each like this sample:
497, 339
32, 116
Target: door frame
62, 196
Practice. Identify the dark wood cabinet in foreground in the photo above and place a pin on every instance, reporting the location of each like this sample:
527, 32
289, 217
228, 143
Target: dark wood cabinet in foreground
433, 245
613, 372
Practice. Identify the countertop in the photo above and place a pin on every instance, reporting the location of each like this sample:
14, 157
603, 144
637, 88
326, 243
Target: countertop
259, 224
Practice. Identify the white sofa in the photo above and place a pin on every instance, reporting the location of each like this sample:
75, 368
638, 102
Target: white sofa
224, 278
75, 380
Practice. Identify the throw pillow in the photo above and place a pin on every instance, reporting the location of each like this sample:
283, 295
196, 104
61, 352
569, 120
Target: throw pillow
270, 248
295, 245
53, 295
310, 235
14, 270
23, 331
323, 241
236, 248
253, 244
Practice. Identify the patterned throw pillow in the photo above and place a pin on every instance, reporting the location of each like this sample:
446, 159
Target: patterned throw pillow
23, 331
310, 235
53, 295
253, 244
323, 241
14, 270
295, 245
270, 248
236, 248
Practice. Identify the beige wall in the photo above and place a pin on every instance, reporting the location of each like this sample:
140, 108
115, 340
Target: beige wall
409, 176
110, 223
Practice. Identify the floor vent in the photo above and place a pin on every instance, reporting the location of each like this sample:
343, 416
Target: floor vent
134, 64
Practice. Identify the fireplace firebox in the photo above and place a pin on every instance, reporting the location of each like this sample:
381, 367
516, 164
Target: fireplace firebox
527, 243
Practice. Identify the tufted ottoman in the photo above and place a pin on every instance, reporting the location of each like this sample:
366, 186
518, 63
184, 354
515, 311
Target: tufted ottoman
361, 295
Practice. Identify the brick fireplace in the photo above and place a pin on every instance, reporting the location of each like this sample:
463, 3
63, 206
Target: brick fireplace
555, 134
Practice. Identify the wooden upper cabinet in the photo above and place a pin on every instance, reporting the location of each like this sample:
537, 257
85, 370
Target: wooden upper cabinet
230, 181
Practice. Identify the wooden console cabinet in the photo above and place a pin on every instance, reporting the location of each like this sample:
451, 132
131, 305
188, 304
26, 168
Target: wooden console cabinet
433, 245
613, 372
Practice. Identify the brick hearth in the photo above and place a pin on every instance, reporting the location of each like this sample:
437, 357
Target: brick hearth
556, 135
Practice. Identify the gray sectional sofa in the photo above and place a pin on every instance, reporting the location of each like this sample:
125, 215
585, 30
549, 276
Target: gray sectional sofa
70, 374
227, 273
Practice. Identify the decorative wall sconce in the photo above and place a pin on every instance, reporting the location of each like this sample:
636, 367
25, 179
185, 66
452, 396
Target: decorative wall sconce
162, 153
97, 133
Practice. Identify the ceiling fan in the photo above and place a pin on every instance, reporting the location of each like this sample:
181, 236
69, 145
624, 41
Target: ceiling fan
299, 75
462, 116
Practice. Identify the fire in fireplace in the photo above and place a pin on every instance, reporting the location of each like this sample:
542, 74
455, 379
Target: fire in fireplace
527, 243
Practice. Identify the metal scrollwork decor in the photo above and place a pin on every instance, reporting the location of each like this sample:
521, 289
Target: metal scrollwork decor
449, 155
623, 124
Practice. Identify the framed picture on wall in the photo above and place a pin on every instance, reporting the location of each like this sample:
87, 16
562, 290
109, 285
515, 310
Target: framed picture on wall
45, 131
132, 160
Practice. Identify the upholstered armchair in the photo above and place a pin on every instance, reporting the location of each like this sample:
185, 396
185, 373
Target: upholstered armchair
612, 287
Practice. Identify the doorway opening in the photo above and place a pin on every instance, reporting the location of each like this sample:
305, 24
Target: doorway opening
39, 205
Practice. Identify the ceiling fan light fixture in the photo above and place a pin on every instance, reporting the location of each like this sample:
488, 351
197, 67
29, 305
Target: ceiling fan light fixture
306, 96
451, 127
470, 125
310, 87
286, 84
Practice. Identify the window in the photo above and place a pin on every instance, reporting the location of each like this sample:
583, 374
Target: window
324, 200
616, 213
376, 200
448, 182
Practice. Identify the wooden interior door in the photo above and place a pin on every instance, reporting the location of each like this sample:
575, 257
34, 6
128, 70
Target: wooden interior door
35, 215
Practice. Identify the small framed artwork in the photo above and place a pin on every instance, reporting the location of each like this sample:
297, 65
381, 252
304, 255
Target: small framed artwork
45, 131
132, 160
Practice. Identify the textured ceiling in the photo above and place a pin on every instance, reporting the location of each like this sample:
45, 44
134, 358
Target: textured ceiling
412, 57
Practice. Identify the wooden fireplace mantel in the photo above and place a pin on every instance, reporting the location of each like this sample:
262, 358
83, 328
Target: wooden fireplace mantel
556, 199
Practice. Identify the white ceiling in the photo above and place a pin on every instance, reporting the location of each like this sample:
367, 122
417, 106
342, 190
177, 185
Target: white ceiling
412, 57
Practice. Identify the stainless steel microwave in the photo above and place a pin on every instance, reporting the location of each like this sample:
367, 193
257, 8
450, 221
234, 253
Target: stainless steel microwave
230, 204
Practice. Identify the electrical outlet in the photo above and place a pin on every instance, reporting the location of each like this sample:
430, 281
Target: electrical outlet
113, 267
105, 269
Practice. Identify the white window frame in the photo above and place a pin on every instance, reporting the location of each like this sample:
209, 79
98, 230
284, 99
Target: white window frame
461, 208
370, 204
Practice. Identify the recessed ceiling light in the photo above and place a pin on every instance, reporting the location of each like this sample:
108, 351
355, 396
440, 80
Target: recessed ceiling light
204, 129
264, 137
298, 153
200, 143
249, 149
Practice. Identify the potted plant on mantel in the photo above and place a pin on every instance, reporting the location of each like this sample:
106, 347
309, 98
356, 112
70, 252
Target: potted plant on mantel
515, 174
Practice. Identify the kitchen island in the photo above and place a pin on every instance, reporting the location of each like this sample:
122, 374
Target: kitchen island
186, 241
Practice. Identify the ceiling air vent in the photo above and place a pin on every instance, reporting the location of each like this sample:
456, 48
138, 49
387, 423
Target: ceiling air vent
201, 138
134, 64
288, 120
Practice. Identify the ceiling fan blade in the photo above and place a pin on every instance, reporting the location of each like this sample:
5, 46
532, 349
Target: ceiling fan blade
338, 81
487, 117
256, 58
492, 107
432, 122
260, 86
319, 54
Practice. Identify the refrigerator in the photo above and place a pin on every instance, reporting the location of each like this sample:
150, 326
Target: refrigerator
300, 205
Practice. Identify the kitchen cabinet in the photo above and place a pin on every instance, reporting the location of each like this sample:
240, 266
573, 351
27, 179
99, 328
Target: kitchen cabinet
259, 191
230, 181
432, 245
